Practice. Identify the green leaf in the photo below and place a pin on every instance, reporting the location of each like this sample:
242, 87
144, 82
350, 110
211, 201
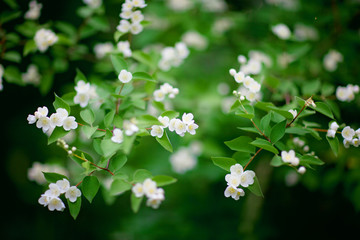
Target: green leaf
265, 123
80, 76
140, 175
277, 132
241, 157
143, 76
143, 58
109, 147
52, 177
310, 160
249, 129
277, 161
282, 112
162, 180
247, 113
334, 144
170, 114
165, 142
58, 132
12, 56
13, 75
255, 188
262, 143
224, 162
118, 63
60, 103
88, 131
117, 162
90, 186
109, 117
74, 207
323, 109
88, 116
135, 202
147, 121
241, 144
119, 186
311, 87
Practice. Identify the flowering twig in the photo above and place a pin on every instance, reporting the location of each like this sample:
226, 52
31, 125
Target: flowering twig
85, 160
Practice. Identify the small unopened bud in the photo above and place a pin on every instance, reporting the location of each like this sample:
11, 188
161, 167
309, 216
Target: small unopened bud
73, 149
301, 170
310, 102
235, 93
66, 146
70, 152
232, 72
242, 98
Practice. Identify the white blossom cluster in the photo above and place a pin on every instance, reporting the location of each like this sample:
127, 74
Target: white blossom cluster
2, 70
206, 5
173, 56
303, 32
45, 38
238, 177
351, 137
290, 157
51, 197
102, 49
331, 60
165, 90
35, 173
281, 31
255, 63
149, 188
301, 144
185, 158
129, 127
250, 88
34, 10
59, 119
32, 75
186, 124
124, 48
93, 3
131, 17
346, 94
195, 40
84, 93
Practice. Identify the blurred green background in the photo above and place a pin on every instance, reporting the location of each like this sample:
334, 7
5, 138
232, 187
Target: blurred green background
323, 203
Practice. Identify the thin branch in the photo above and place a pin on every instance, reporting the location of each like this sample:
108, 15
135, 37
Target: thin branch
252, 158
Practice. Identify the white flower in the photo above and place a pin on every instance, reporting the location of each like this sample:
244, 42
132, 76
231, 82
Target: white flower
159, 95
54, 190
239, 77
172, 124
331, 60
357, 132
127, 5
138, 190
124, 48
34, 10
139, 3
281, 31
57, 119
254, 87
93, 3
32, 75
125, 76
55, 203
195, 40
232, 72
236, 169
136, 28
63, 185
233, 180
124, 26
188, 118
157, 131
235, 193
241, 59
247, 178
41, 112
153, 202
355, 142
1, 76
126, 14
289, 157
129, 127
248, 81
149, 187
347, 143
82, 87
44, 200
331, 133
73, 193
31, 119
348, 133
45, 38
183, 160
334, 126
44, 123
346, 93
137, 16
164, 121
191, 128
180, 127
82, 99
101, 49
252, 67
69, 123
118, 136
293, 112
